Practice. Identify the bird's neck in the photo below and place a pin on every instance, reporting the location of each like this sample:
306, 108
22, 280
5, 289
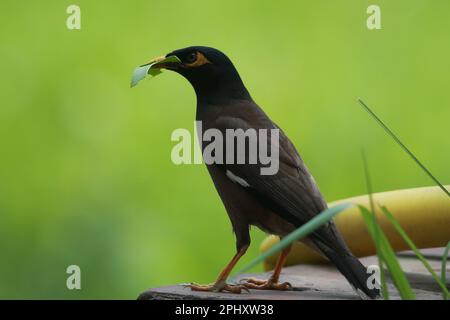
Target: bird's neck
221, 90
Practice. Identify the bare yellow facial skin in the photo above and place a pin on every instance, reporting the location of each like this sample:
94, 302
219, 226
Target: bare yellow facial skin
200, 61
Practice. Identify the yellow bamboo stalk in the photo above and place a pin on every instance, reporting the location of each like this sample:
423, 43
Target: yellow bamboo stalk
424, 213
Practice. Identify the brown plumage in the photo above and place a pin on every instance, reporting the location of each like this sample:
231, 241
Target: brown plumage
277, 204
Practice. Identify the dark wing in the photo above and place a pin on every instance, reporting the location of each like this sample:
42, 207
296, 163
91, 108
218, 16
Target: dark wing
292, 192
292, 187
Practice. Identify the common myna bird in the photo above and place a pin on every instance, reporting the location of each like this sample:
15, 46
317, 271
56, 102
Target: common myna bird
276, 203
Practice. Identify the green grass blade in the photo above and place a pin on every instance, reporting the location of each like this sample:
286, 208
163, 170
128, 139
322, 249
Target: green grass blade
411, 244
370, 223
393, 136
299, 233
388, 256
444, 268
384, 289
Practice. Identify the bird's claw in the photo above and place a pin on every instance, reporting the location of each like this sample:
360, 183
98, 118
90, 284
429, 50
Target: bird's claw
235, 288
253, 283
218, 287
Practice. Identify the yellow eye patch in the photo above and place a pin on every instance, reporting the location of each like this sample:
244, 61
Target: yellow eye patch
201, 60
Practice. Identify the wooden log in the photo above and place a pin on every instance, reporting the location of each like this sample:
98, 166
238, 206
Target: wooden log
313, 282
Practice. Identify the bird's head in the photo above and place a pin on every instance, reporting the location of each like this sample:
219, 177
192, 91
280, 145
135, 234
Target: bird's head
210, 71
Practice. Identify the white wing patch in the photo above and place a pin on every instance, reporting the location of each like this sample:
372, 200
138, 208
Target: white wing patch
236, 179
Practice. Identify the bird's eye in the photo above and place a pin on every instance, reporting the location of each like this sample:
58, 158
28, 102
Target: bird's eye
191, 57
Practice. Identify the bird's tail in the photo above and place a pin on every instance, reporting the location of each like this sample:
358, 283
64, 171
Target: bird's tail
353, 270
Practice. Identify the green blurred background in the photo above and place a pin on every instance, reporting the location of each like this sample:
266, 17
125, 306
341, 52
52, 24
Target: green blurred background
85, 170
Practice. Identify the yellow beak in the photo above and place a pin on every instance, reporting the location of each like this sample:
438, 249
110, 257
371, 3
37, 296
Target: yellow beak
164, 62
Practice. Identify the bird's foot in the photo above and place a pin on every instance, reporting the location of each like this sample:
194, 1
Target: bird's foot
218, 287
253, 283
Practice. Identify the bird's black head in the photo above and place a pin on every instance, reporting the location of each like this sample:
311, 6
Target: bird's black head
211, 73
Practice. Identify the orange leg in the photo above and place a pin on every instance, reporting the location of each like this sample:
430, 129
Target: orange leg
220, 284
272, 283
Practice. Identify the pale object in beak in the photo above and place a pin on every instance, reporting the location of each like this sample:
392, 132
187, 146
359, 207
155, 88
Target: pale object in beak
152, 68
